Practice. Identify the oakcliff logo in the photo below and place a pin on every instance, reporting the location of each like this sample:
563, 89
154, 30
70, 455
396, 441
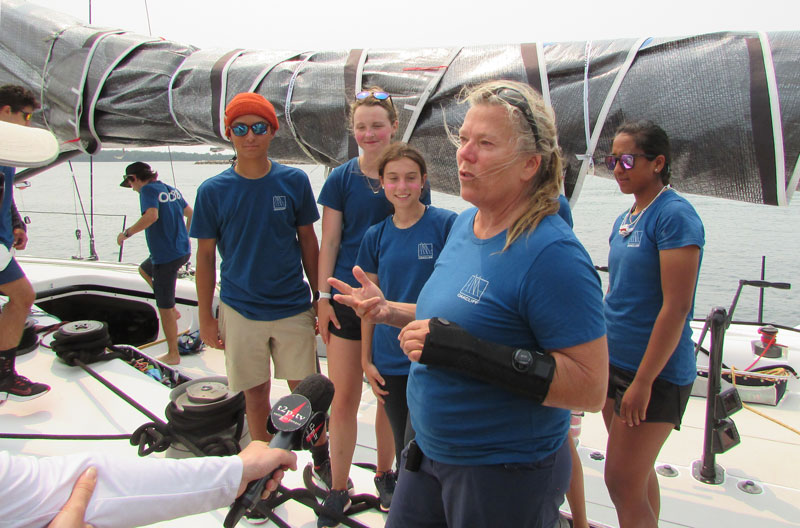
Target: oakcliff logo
473, 290
636, 239
278, 203
425, 251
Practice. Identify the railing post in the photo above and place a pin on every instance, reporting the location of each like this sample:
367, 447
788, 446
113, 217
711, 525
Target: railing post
720, 432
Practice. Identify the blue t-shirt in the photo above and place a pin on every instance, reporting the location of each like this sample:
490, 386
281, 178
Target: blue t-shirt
403, 259
167, 238
255, 226
634, 293
541, 293
6, 228
564, 210
348, 190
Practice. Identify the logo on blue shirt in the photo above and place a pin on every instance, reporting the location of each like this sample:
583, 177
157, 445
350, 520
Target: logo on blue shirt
635, 240
425, 250
473, 290
278, 203
172, 196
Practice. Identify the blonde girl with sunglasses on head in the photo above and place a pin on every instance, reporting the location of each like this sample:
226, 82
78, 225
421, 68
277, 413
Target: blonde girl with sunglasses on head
352, 201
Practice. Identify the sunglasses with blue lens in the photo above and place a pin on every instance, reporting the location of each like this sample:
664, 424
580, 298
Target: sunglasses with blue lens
259, 129
626, 160
380, 96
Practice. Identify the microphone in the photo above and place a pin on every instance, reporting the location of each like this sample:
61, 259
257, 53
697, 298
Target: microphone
298, 418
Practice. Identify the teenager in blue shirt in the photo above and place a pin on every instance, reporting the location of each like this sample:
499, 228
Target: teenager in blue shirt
163, 210
260, 215
17, 104
655, 252
352, 200
398, 255
514, 273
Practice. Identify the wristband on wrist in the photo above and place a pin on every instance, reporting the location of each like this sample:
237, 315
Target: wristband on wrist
324, 295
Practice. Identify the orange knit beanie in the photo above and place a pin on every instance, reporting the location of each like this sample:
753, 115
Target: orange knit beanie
249, 103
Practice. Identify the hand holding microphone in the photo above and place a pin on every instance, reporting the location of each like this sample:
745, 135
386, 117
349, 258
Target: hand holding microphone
299, 419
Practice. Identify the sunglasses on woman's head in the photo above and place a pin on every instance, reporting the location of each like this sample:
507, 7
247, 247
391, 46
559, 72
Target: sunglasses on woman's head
380, 96
258, 129
627, 160
26, 115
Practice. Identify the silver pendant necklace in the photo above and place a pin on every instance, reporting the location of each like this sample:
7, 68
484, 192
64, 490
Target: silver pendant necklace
626, 227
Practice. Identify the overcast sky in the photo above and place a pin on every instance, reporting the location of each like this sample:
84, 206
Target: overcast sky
334, 24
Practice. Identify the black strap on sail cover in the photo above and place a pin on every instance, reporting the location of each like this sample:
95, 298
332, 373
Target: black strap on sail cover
523, 372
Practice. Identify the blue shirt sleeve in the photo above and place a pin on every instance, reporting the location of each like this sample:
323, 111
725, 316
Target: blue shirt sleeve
307, 212
332, 193
678, 226
552, 304
204, 221
368, 251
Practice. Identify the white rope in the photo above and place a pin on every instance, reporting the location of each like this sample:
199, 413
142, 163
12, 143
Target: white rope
426, 94
601, 118
287, 109
223, 93
543, 75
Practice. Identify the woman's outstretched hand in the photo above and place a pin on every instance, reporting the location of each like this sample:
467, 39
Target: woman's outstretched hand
367, 301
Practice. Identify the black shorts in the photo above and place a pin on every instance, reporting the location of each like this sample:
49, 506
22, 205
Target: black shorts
667, 400
348, 320
164, 277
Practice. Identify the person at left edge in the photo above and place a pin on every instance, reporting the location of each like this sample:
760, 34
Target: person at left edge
163, 210
260, 215
17, 103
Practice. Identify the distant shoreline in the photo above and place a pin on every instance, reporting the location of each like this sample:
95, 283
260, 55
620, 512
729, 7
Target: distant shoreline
125, 155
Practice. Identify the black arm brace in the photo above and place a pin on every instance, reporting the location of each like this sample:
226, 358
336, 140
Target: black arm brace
523, 372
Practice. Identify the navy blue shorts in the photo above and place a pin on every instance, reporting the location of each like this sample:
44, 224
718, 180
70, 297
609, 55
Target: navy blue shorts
349, 321
667, 400
164, 277
11, 273
439, 495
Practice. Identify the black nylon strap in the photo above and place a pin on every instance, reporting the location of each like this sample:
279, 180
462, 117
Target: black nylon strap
350, 73
761, 120
530, 61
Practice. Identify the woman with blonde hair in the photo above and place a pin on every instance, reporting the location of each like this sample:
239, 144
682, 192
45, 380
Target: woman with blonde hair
506, 336
352, 200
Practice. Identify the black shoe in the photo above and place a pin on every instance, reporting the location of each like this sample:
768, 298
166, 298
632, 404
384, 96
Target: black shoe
385, 485
19, 388
321, 475
338, 501
255, 517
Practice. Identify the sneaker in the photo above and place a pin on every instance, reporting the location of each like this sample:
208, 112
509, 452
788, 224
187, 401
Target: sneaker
385, 485
338, 501
321, 475
19, 388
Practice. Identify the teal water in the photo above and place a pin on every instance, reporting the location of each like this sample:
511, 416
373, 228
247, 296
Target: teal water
737, 234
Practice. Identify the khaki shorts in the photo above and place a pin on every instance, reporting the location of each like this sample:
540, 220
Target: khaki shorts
249, 345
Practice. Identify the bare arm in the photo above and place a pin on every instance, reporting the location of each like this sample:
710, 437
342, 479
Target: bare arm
328, 251
374, 377
187, 213
149, 218
581, 377
205, 282
309, 253
678, 277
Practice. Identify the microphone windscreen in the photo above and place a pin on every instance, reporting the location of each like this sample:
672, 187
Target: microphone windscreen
319, 391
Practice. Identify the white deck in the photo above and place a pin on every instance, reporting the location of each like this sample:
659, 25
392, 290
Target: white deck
768, 454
